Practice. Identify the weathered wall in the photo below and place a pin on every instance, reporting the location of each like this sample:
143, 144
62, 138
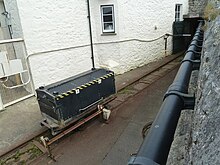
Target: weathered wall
206, 129
11, 27
181, 146
49, 27
135, 19
197, 136
15, 28
11, 7
196, 7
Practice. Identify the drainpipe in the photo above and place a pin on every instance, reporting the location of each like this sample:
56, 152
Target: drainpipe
90, 31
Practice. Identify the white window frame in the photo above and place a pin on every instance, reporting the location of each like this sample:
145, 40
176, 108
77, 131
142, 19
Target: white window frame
113, 19
178, 12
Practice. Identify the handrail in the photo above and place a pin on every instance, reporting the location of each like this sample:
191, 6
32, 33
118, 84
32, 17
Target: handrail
155, 147
11, 41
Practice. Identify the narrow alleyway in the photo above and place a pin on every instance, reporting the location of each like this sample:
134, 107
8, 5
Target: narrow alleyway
106, 144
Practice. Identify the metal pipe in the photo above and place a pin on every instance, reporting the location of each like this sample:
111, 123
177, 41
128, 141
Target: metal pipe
8, 41
90, 31
155, 147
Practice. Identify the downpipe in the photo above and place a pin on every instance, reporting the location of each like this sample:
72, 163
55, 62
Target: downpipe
156, 146
90, 33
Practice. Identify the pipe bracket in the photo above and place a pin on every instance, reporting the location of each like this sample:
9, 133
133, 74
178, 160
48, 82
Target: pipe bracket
196, 54
189, 100
198, 46
196, 63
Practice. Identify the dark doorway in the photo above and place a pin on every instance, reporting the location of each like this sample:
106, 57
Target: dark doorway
178, 41
183, 32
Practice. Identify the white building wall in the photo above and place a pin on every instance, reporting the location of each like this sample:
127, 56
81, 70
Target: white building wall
49, 27
135, 19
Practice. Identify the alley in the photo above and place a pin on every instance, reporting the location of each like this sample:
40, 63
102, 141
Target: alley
112, 143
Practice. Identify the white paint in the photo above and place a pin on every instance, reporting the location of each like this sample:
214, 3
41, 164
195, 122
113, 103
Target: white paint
54, 24
135, 19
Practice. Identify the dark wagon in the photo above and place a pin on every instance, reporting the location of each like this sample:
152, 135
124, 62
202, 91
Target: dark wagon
71, 99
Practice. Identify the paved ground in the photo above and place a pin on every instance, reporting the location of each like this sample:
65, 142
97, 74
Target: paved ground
20, 122
112, 144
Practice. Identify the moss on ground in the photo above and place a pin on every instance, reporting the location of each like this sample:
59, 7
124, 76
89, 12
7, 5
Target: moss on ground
22, 156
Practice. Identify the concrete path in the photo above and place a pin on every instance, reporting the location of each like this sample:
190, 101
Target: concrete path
112, 144
21, 122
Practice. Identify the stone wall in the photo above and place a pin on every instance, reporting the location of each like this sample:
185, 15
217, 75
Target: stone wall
197, 139
196, 7
206, 128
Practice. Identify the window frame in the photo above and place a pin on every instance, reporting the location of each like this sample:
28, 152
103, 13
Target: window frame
102, 19
178, 12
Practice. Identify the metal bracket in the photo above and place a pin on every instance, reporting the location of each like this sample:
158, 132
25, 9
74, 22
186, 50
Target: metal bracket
189, 100
198, 35
196, 63
195, 45
45, 140
195, 52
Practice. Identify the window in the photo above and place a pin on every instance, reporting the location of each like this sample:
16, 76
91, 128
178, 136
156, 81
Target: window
178, 12
108, 22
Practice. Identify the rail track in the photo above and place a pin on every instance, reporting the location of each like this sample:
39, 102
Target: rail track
123, 94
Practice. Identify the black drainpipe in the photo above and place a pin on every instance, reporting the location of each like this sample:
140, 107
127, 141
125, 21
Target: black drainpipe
155, 147
90, 31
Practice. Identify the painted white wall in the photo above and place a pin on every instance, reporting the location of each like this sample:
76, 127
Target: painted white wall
53, 24
50, 25
135, 19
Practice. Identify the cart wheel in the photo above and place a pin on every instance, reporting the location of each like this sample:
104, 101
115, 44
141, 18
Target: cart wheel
54, 131
41, 123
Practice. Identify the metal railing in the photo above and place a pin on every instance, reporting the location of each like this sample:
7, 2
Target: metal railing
15, 85
155, 147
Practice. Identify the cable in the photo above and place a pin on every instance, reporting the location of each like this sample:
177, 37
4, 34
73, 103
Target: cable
128, 40
98, 43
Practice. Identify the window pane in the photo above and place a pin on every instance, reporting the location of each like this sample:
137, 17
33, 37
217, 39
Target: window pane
178, 7
108, 26
107, 18
107, 10
177, 17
